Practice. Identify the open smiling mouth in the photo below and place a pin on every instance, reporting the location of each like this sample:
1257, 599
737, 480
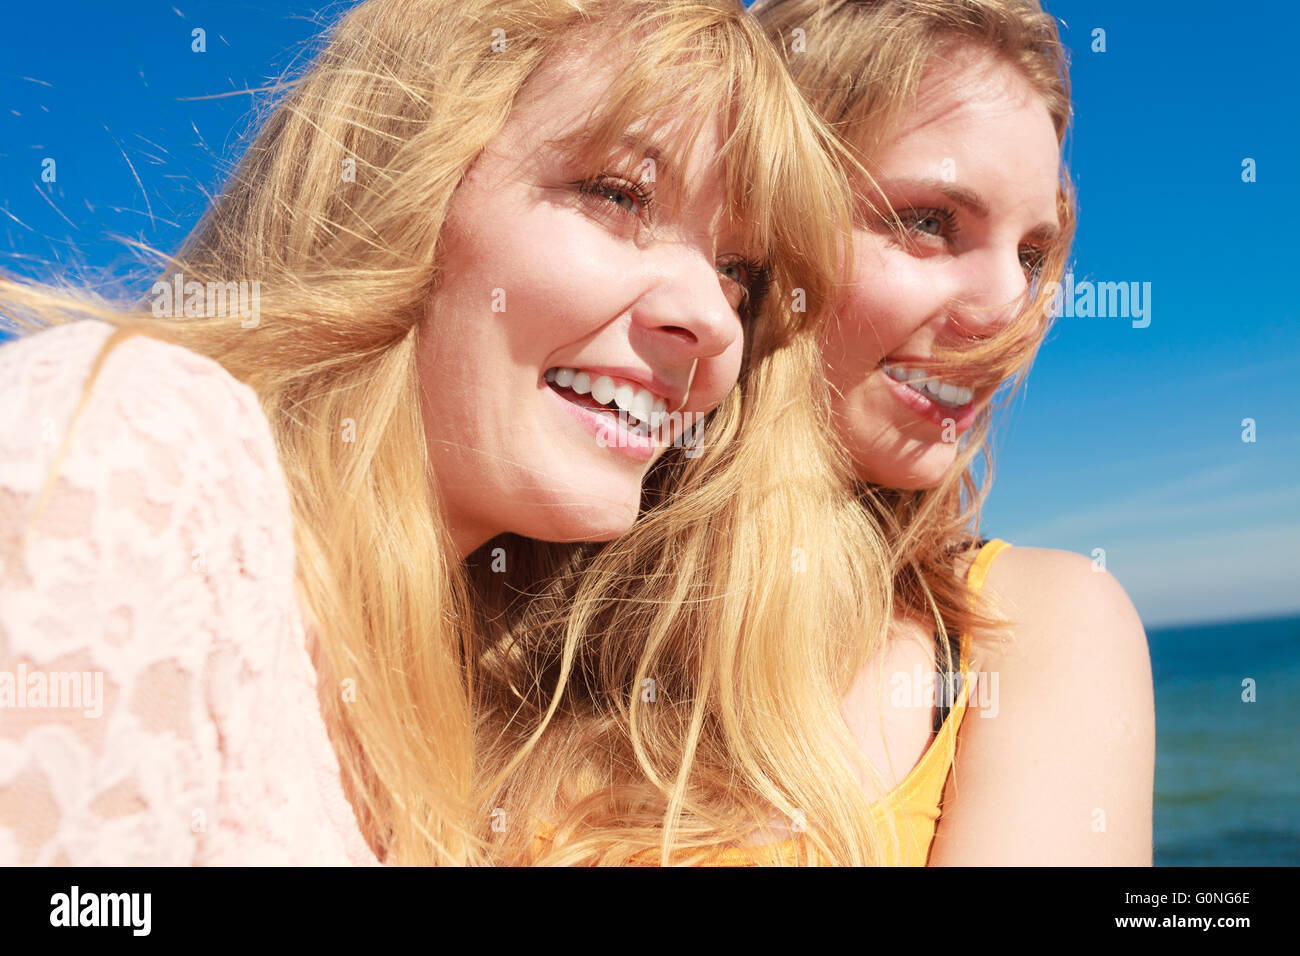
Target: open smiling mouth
941, 393
639, 408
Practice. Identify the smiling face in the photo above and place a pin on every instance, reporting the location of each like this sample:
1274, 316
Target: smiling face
555, 299
973, 175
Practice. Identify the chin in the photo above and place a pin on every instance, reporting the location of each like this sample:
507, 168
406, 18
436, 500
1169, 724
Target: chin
918, 472
560, 520
598, 529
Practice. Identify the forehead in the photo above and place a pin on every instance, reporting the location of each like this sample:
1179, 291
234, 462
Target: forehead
961, 94
568, 95
978, 121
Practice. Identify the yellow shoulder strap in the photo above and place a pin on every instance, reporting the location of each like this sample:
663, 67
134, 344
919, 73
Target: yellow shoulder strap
979, 570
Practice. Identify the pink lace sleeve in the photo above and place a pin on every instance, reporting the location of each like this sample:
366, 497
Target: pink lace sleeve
157, 705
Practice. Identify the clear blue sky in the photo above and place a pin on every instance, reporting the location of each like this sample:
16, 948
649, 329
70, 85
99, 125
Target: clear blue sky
1127, 439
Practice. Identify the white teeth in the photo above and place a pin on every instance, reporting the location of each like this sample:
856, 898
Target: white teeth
602, 390
639, 403
657, 412
942, 393
643, 404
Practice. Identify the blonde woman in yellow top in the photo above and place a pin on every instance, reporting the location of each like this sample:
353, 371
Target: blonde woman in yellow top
957, 110
346, 558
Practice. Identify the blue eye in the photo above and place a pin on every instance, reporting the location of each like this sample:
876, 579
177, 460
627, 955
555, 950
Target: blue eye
930, 222
612, 190
745, 276
750, 276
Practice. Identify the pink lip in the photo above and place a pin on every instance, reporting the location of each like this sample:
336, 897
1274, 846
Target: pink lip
639, 448
962, 418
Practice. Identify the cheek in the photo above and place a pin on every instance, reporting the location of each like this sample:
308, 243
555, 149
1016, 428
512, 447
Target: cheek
521, 288
894, 294
881, 312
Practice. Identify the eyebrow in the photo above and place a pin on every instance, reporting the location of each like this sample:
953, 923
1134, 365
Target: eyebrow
648, 146
967, 198
649, 149
667, 182
665, 173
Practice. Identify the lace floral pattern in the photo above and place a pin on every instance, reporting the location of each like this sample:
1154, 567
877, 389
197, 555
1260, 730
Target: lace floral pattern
161, 570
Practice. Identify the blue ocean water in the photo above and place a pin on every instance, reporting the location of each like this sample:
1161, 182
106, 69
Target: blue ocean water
1227, 789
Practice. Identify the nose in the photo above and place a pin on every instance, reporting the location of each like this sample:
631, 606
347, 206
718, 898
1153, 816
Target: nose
996, 285
685, 312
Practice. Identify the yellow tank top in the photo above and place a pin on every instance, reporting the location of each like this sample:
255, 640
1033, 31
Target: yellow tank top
915, 802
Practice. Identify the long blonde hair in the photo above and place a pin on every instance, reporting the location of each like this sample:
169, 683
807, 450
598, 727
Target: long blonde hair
860, 64
749, 592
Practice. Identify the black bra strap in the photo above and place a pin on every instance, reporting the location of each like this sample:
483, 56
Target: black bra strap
948, 690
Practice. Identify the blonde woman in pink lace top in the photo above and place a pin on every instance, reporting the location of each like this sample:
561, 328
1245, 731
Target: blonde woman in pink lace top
258, 563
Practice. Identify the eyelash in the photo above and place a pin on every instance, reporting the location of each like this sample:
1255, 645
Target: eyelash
1037, 258
752, 289
600, 186
1031, 259
946, 216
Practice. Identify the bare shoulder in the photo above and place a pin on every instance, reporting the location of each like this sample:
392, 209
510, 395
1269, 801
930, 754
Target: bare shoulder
1060, 604
1055, 757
